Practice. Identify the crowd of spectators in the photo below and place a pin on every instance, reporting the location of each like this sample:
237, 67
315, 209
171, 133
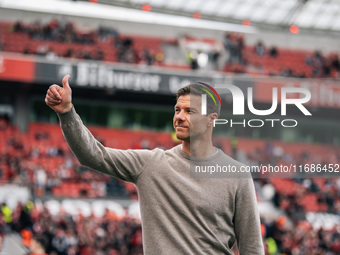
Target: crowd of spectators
22, 164
239, 57
65, 234
322, 66
63, 31
55, 30
299, 238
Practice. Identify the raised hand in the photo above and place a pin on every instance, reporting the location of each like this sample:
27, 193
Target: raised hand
60, 98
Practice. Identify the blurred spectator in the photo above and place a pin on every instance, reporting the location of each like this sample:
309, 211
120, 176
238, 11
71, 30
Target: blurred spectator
148, 57
16, 143
234, 52
239, 49
227, 42
214, 59
80, 54
27, 51
6, 214
259, 48
40, 179
59, 242
192, 56
18, 26
35, 30
317, 63
69, 53
99, 55
42, 50
70, 34
273, 52
87, 55
335, 63
41, 136
22, 217
105, 33
234, 47
51, 30
4, 122
287, 72
159, 57
50, 55
126, 52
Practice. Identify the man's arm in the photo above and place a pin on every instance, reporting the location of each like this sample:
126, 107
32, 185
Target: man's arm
247, 219
123, 164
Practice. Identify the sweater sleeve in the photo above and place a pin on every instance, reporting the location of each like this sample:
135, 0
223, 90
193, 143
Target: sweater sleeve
123, 164
247, 219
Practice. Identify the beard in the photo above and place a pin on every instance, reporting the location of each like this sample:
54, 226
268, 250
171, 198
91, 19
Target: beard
183, 137
183, 134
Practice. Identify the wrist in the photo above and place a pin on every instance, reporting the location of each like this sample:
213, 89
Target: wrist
66, 109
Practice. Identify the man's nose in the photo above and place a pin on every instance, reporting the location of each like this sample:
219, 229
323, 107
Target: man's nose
180, 115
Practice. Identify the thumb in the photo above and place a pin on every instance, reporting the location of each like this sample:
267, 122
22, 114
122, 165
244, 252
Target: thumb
66, 85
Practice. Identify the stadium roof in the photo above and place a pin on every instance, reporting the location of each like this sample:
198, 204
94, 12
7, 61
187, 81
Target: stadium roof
118, 13
308, 14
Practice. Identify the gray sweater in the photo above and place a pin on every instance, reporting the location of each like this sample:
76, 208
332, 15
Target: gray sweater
180, 214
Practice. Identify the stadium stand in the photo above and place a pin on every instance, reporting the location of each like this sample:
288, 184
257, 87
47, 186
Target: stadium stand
52, 40
41, 160
85, 235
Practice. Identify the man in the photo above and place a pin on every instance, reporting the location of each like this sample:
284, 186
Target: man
180, 214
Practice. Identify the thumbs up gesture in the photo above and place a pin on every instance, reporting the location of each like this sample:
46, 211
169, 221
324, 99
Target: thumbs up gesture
60, 98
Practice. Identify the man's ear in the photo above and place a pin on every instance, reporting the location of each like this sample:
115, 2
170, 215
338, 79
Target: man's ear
212, 116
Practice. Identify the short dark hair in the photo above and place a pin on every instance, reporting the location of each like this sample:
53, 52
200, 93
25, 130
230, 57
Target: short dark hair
196, 89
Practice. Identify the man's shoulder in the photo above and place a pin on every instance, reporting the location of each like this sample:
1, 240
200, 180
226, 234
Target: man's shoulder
225, 158
157, 151
173, 150
231, 163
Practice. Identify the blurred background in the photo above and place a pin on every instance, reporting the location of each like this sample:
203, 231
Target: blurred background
127, 59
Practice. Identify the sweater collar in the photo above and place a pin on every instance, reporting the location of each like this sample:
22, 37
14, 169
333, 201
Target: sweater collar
178, 150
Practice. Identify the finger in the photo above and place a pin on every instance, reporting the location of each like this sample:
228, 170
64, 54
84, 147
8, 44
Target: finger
50, 94
65, 82
50, 103
52, 100
55, 91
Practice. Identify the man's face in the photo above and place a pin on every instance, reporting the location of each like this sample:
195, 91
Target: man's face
188, 120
